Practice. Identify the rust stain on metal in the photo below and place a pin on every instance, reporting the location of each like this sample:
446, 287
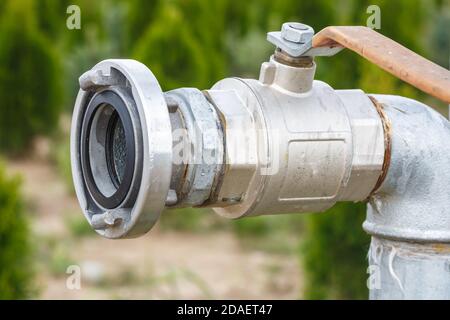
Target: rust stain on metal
387, 128
390, 56
441, 248
297, 62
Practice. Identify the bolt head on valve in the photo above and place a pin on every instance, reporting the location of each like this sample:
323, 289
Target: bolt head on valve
297, 32
295, 40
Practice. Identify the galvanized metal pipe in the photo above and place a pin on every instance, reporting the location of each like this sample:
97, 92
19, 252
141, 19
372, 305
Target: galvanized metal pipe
406, 270
408, 216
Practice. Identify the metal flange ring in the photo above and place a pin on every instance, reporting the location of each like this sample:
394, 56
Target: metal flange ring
137, 194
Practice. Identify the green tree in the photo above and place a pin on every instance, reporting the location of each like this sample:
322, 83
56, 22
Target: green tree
140, 13
439, 34
102, 36
15, 270
181, 53
51, 17
29, 79
439, 42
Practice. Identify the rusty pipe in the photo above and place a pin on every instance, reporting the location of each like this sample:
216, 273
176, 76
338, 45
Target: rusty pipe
390, 56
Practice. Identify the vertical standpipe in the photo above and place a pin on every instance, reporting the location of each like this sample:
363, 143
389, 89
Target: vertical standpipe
408, 217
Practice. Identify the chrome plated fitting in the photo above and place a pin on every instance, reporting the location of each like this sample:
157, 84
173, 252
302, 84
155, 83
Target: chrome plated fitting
284, 143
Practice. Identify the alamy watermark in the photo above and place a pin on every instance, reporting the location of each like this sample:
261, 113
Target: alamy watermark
73, 21
374, 19
73, 281
243, 146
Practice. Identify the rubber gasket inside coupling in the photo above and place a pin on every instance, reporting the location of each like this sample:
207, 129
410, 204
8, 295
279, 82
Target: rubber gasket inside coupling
111, 98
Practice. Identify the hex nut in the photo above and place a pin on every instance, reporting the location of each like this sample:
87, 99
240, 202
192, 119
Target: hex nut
206, 141
296, 32
240, 147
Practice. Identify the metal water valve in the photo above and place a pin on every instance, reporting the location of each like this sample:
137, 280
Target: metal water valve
284, 143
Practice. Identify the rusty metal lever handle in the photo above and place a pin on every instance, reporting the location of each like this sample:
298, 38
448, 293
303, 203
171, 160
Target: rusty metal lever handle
390, 56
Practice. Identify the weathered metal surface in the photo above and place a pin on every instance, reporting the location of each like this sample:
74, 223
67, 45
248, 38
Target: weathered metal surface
387, 133
298, 62
412, 203
402, 270
179, 168
202, 146
390, 56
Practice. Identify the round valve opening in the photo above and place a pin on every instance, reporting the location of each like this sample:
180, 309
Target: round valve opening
109, 152
121, 148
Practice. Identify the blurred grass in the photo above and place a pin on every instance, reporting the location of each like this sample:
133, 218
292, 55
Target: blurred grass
53, 255
61, 157
275, 234
191, 220
334, 253
60, 152
16, 264
78, 226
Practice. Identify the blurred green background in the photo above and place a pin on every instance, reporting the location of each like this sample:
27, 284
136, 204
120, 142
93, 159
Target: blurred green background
186, 43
